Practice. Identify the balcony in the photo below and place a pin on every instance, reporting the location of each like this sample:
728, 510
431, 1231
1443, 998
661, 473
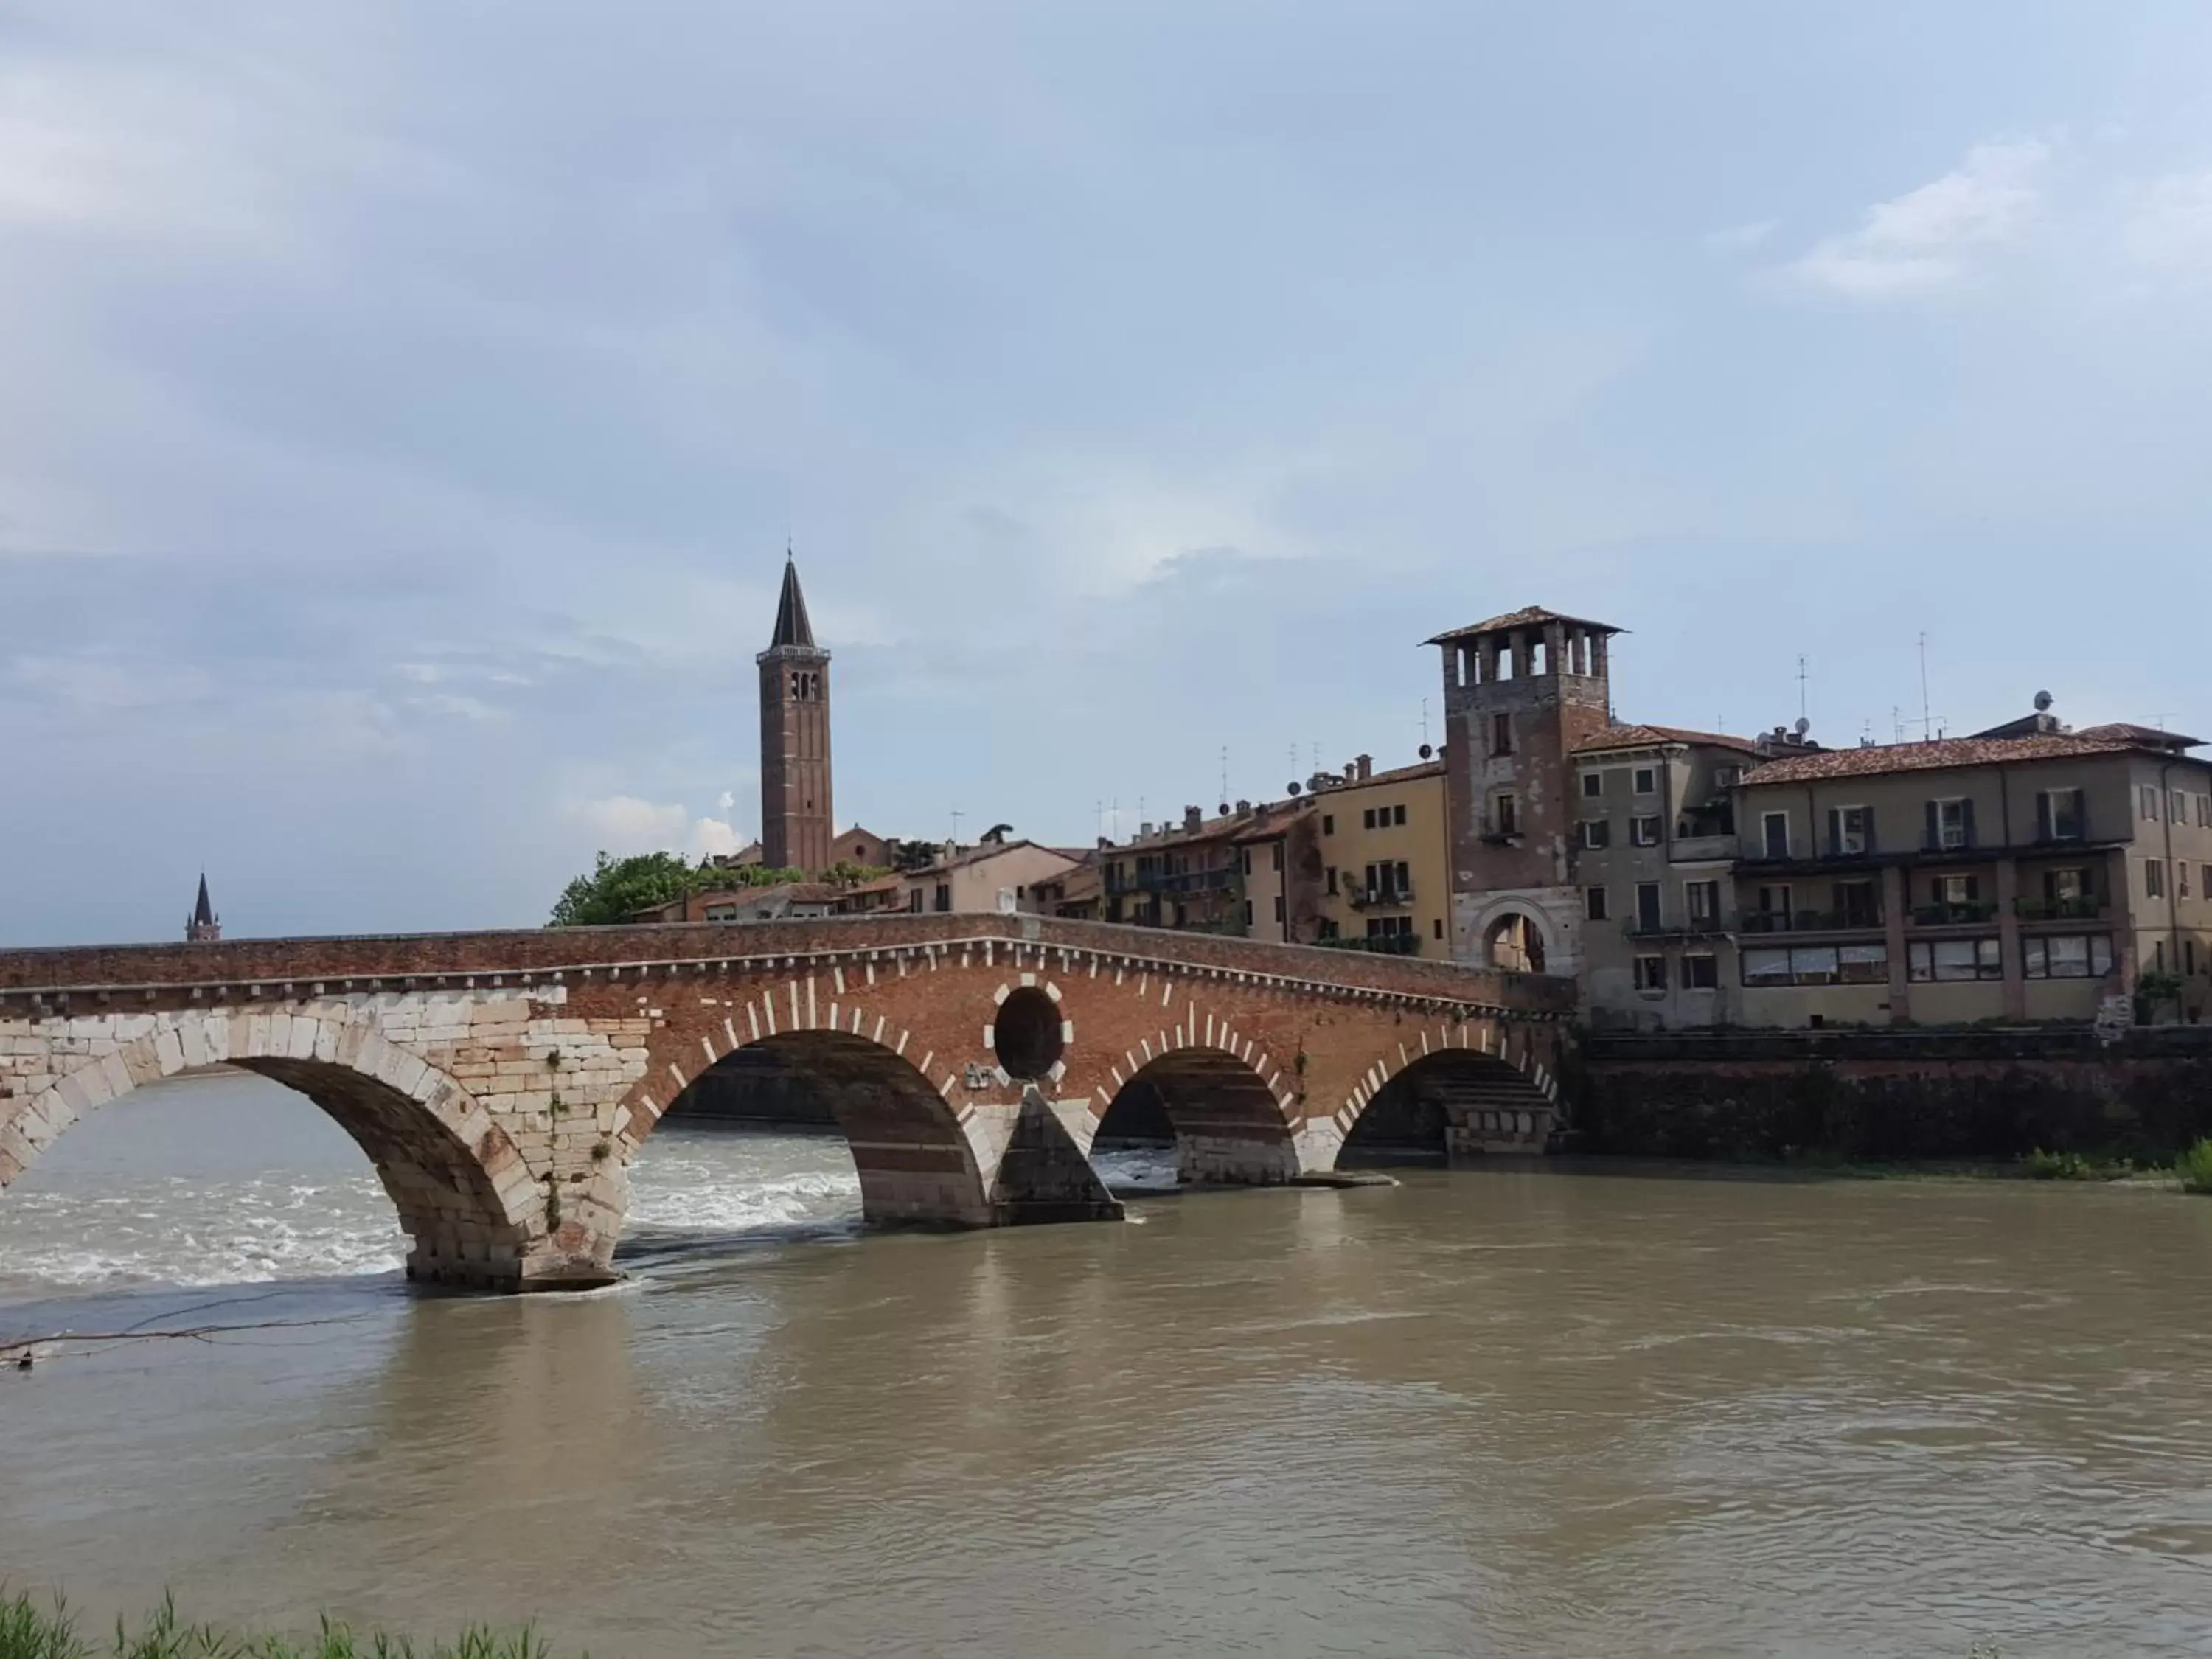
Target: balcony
1813, 922
1952, 915
1695, 927
1698, 850
1379, 898
2079, 907
1188, 881
1380, 944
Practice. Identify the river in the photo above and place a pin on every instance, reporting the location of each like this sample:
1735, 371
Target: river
1547, 1413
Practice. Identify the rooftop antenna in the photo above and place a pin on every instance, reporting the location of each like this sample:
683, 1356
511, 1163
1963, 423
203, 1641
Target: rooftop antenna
1927, 721
1897, 722
2163, 719
1424, 723
956, 816
1802, 713
1225, 771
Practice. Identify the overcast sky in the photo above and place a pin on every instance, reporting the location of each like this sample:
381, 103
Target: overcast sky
403, 407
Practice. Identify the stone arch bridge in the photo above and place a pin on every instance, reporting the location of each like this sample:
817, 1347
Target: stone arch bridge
501, 1082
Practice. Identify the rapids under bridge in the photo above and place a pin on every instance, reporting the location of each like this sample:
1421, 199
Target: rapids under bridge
502, 1082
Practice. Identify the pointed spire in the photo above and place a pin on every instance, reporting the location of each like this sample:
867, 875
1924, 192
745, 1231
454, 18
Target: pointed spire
202, 912
792, 627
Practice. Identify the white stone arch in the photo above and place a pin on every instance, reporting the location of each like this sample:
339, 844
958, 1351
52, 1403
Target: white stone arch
923, 1157
1544, 913
472, 1210
1503, 1043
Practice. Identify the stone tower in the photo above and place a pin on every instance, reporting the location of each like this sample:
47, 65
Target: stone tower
1522, 693
203, 925
795, 760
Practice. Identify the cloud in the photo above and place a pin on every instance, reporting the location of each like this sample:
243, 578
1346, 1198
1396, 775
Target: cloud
1922, 240
625, 824
2168, 226
1737, 239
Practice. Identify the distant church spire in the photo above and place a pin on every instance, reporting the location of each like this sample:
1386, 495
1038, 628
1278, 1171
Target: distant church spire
204, 926
792, 627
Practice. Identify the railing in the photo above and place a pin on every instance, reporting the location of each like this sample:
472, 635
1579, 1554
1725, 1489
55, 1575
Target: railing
2081, 907
1638, 927
1380, 898
1811, 921
1952, 915
1187, 881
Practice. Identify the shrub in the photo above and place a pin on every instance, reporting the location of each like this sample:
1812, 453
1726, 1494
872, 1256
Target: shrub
2195, 1168
2060, 1166
28, 1631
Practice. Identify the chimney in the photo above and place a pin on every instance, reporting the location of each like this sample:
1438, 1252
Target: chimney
1191, 817
1144, 831
1366, 765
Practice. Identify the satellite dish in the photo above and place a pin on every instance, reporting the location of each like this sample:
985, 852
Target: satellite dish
1426, 752
1225, 809
1803, 726
2043, 702
1294, 788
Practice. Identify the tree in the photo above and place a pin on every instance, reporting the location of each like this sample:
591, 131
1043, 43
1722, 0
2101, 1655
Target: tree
848, 875
617, 889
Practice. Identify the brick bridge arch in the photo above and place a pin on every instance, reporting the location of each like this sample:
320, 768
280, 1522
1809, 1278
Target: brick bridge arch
571, 1043
470, 1211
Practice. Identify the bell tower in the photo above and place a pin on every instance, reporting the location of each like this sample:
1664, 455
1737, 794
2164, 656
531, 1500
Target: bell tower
794, 759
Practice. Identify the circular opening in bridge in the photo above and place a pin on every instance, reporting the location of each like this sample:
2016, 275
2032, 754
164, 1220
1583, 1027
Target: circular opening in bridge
1026, 1034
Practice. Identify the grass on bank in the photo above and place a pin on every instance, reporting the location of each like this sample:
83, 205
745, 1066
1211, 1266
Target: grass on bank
30, 1632
2195, 1168
2192, 1167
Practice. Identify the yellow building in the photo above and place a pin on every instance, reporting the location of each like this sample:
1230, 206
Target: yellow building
1385, 852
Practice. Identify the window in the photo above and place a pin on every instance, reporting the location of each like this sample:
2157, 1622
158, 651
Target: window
2067, 956
2177, 807
1727, 777
1438, 925
2069, 886
1650, 972
1774, 902
1247, 912
2154, 877
1244, 861
1817, 964
1501, 734
1647, 780
1850, 831
1397, 815
1775, 835
1328, 823
1278, 906
1593, 785
1328, 880
1702, 900
2058, 814
1367, 819
913, 900
1647, 906
1389, 928
1277, 848
2205, 812
2148, 801
1954, 890
2158, 956
1643, 831
1950, 824
1504, 814
1701, 973
1857, 904
2181, 878
1594, 903
1327, 929
944, 896
1950, 959
1597, 833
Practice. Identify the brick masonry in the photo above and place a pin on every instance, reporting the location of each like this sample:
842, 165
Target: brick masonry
502, 1082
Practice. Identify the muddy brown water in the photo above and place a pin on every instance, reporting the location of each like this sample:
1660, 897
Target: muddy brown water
1487, 1412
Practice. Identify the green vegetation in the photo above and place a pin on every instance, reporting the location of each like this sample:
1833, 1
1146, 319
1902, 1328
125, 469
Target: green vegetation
615, 889
29, 1632
2195, 1168
2060, 1166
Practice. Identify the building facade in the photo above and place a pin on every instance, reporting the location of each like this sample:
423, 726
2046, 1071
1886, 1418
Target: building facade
1386, 859
795, 760
1656, 862
1523, 693
993, 876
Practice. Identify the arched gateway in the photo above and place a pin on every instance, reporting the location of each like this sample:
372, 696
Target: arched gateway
502, 1082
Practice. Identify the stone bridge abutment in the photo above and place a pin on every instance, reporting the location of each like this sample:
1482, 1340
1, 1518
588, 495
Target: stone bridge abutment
500, 1083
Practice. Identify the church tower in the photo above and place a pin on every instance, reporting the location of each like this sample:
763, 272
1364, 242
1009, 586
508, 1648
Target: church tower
203, 926
795, 760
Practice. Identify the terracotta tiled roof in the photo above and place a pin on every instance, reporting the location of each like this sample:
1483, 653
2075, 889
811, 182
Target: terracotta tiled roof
2145, 736
1645, 737
1428, 768
1943, 753
1529, 616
